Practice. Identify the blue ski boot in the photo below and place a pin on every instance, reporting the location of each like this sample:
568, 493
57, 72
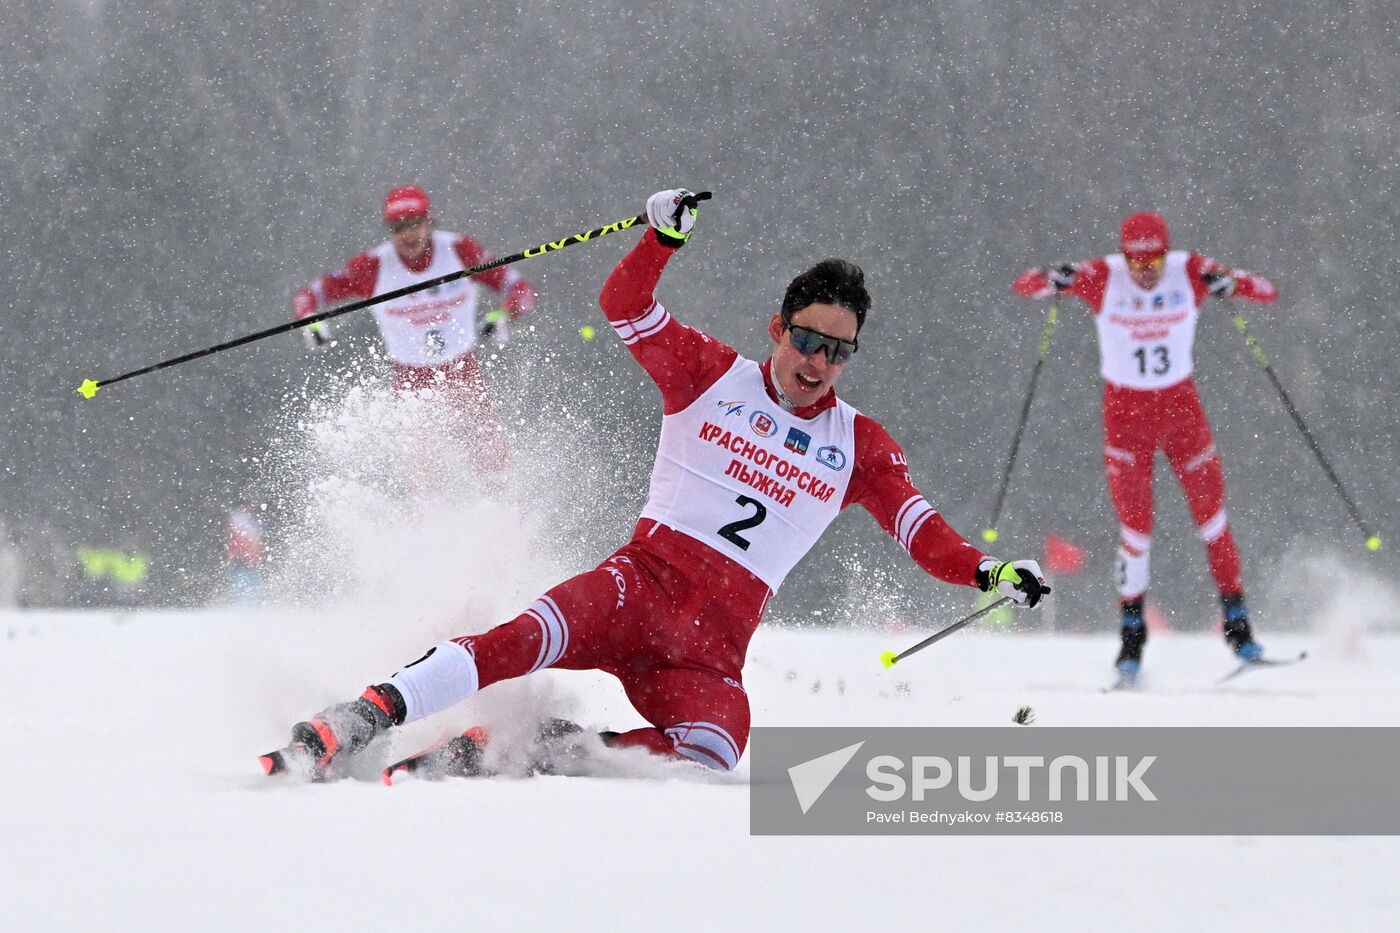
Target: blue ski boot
1237, 631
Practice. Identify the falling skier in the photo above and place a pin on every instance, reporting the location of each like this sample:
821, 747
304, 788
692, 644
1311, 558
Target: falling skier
754, 461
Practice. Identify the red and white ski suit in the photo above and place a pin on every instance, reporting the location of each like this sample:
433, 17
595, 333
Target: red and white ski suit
430, 335
741, 490
1146, 341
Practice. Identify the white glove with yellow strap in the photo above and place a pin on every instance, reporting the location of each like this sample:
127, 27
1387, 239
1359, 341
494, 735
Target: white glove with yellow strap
671, 216
1019, 579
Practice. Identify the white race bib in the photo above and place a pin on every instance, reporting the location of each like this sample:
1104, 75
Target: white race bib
1147, 338
432, 326
750, 480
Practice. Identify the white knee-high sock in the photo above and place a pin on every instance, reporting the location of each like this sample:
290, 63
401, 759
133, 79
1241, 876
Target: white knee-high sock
443, 677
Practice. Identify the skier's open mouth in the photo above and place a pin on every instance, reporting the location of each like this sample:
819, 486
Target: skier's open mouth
807, 382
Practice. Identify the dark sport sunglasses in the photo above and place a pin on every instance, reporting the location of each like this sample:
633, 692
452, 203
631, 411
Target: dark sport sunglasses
810, 342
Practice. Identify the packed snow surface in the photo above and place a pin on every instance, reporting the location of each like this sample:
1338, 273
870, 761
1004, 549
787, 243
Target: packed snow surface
132, 799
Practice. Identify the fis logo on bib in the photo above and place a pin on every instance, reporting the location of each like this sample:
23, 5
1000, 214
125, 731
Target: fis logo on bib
763, 424
797, 441
731, 408
833, 457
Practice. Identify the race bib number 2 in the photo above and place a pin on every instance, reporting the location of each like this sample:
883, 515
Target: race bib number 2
731, 531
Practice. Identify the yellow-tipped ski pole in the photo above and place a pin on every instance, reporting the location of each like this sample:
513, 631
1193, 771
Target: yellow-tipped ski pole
990, 534
90, 387
1373, 540
890, 659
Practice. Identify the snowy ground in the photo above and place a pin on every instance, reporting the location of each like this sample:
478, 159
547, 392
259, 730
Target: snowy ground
131, 798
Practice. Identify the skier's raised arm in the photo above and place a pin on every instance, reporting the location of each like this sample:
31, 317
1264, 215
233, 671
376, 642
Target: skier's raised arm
681, 360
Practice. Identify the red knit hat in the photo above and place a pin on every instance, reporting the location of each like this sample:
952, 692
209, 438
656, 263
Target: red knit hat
402, 203
1145, 236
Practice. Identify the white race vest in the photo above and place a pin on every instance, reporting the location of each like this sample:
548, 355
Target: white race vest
750, 480
432, 326
1146, 338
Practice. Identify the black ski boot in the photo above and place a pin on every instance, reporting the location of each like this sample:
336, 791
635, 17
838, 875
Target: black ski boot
324, 743
1134, 635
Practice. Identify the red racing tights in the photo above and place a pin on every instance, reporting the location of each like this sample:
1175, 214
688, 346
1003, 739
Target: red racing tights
1138, 423
668, 617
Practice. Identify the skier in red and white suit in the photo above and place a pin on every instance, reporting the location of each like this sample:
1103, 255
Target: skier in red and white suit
429, 335
1146, 301
755, 460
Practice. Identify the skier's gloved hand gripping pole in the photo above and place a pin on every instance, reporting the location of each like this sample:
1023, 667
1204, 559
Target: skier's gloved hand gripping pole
1019, 582
672, 214
1373, 540
90, 386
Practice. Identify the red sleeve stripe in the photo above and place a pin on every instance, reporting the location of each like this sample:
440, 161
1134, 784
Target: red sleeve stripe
648, 324
910, 518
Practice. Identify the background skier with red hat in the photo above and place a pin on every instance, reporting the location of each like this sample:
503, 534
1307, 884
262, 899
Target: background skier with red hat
429, 335
1146, 301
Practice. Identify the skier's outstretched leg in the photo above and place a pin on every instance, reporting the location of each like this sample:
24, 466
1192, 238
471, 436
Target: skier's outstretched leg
586, 622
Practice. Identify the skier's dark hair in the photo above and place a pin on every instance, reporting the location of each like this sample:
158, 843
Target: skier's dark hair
831, 282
